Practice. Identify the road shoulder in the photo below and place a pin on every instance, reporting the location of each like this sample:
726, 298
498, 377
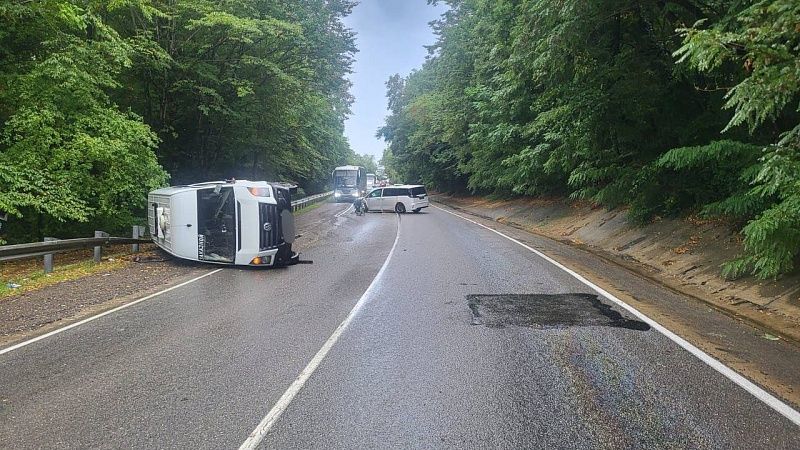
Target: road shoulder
37, 312
737, 344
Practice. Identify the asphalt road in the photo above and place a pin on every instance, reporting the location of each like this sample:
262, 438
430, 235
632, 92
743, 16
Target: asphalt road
465, 340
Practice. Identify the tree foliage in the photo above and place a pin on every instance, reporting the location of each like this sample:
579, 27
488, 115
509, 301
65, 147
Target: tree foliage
67, 151
605, 101
246, 89
96, 97
763, 40
367, 161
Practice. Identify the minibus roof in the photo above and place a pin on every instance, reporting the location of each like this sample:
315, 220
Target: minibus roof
171, 190
209, 184
245, 183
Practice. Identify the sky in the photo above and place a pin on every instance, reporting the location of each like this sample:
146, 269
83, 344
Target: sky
390, 39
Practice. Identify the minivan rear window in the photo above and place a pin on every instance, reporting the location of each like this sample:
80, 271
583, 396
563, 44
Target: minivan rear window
419, 190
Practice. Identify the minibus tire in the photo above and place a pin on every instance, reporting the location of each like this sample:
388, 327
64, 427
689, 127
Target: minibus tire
399, 208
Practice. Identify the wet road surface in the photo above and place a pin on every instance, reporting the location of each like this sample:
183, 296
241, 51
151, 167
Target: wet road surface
466, 340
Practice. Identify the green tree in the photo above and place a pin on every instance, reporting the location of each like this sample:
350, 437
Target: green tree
585, 99
96, 96
366, 161
67, 151
244, 89
758, 51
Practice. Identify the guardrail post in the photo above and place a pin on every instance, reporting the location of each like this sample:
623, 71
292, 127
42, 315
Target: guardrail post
48, 259
98, 251
137, 233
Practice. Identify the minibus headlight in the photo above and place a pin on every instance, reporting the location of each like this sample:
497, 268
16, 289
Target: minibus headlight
261, 260
338, 194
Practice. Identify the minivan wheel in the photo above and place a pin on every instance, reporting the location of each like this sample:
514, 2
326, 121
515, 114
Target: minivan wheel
417, 210
399, 208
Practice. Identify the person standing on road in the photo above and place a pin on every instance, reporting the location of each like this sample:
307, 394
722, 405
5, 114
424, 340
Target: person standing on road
359, 204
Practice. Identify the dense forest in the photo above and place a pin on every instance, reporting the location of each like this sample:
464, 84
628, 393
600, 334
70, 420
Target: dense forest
101, 101
666, 107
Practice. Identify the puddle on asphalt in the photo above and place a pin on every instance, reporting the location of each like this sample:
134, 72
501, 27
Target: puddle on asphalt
546, 311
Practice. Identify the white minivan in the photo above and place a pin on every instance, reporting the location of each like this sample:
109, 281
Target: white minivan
398, 198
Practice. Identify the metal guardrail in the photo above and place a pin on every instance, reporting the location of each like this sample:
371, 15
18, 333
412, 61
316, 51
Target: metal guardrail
19, 251
51, 246
307, 201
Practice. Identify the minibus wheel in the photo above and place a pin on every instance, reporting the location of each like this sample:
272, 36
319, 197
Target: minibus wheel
399, 208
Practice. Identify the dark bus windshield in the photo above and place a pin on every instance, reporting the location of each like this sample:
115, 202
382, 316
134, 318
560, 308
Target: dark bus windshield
345, 178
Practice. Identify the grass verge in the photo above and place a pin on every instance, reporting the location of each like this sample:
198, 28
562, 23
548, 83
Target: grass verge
309, 208
36, 279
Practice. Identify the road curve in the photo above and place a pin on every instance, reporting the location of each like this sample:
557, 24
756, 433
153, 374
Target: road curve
466, 340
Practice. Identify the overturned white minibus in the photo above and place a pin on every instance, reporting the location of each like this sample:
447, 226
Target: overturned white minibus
225, 222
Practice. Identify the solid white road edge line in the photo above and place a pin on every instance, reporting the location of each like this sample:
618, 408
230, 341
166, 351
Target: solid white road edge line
773, 402
105, 313
341, 213
274, 414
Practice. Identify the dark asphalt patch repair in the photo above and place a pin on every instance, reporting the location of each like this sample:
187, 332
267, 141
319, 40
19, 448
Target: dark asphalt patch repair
546, 311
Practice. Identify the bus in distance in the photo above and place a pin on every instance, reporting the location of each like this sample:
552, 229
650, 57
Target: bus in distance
349, 183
